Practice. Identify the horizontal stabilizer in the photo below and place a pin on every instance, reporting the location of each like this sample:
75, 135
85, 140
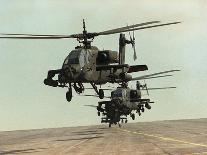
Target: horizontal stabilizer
137, 68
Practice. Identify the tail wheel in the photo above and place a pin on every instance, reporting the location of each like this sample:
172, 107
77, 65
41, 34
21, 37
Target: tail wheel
101, 93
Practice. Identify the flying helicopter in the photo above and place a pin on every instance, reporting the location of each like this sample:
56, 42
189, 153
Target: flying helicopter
88, 64
125, 101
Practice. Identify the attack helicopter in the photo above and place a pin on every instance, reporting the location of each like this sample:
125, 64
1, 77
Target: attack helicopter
125, 101
88, 64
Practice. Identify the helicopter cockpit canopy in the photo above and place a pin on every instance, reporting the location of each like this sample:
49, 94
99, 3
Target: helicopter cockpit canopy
135, 95
117, 93
73, 57
78, 56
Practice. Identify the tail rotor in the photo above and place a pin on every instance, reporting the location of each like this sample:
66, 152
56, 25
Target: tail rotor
133, 46
132, 41
144, 87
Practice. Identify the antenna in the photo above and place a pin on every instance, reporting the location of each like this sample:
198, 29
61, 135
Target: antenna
86, 42
84, 26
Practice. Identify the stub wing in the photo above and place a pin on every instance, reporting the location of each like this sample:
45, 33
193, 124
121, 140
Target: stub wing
134, 68
109, 67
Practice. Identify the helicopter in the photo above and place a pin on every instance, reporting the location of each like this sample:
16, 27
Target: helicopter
88, 64
124, 101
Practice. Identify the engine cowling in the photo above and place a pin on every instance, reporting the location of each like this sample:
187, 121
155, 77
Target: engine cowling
107, 56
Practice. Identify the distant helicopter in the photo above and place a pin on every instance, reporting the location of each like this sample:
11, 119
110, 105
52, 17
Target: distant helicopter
88, 64
124, 101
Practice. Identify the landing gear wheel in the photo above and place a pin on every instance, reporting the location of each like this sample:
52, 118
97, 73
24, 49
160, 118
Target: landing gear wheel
101, 93
98, 113
148, 106
120, 125
109, 125
133, 116
69, 95
142, 109
126, 121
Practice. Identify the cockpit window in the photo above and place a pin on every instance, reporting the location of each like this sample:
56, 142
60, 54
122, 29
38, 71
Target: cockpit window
133, 94
73, 57
77, 57
66, 61
117, 93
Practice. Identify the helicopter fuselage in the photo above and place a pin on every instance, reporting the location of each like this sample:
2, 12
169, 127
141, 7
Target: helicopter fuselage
128, 98
81, 66
123, 102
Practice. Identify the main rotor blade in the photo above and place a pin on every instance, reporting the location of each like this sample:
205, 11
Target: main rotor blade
101, 88
161, 88
139, 28
129, 27
80, 35
90, 105
96, 96
151, 75
154, 77
35, 37
90, 95
27, 34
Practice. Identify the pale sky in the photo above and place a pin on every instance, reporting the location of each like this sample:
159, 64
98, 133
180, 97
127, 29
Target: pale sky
26, 103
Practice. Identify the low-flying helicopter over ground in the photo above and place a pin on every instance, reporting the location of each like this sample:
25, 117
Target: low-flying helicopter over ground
88, 64
125, 101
